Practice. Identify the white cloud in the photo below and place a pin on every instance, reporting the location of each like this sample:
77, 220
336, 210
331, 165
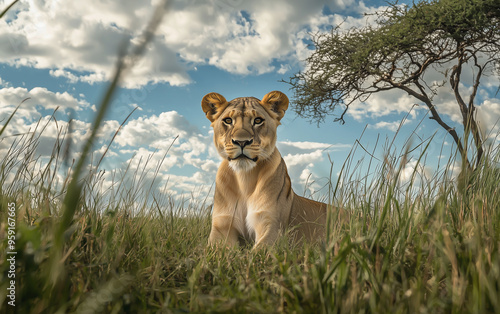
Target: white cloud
392, 126
306, 145
284, 68
488, 116
62, 73
288, 147
46, 130
245, 38
382, 104
84, 37
191, 148
410, 169
142, 147
307, 185
28, 119
303, 159
156, 131
104, 149
80, 41
39, 96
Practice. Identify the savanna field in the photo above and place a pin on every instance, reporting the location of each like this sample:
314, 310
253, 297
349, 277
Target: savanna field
414, 245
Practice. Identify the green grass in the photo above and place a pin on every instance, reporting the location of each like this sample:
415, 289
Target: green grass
424, 245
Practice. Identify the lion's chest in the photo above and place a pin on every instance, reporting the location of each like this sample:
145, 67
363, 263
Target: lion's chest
246, 219
255, 218
249, 217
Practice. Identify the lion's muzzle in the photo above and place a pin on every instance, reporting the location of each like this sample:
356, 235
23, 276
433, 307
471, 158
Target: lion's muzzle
242, 145
243, 156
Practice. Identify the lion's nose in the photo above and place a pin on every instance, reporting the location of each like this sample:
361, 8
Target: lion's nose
242, 144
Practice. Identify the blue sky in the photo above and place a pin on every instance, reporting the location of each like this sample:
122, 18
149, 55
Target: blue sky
61, 54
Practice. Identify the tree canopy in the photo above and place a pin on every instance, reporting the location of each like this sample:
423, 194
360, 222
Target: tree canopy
396, 51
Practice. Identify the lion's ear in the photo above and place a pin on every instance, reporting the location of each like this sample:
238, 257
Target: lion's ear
213, 104
277, 102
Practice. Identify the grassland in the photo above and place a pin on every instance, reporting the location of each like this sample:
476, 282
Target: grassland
422, 245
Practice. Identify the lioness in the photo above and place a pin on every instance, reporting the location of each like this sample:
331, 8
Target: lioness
254, 200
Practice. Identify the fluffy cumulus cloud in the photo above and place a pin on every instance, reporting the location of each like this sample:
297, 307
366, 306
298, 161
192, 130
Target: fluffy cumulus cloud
148, 146
243, 36
44, 134
488, 114
39, 96
392, 126
80, 41
162, 146
383, 104
417, 172
29, 120
168, 133
302, 160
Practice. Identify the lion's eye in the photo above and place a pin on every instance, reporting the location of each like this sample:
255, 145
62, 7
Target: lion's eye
227, 120
258, 121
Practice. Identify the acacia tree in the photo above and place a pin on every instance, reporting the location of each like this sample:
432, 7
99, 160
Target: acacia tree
396, 51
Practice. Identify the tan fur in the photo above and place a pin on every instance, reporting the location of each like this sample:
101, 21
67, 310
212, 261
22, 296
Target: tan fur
254, 200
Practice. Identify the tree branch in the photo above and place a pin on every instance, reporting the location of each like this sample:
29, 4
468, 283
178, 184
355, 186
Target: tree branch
435, 115
469, 121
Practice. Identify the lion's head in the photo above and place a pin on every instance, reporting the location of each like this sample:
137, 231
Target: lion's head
245, 128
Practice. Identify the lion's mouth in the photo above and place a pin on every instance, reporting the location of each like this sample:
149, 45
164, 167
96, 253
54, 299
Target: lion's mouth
243, 156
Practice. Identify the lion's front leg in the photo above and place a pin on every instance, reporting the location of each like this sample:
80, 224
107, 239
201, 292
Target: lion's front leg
268, 217
266, 235
265, 225
223, 231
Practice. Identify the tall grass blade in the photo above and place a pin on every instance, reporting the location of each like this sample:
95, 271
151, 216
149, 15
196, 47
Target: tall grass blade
8, 8
11, 116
